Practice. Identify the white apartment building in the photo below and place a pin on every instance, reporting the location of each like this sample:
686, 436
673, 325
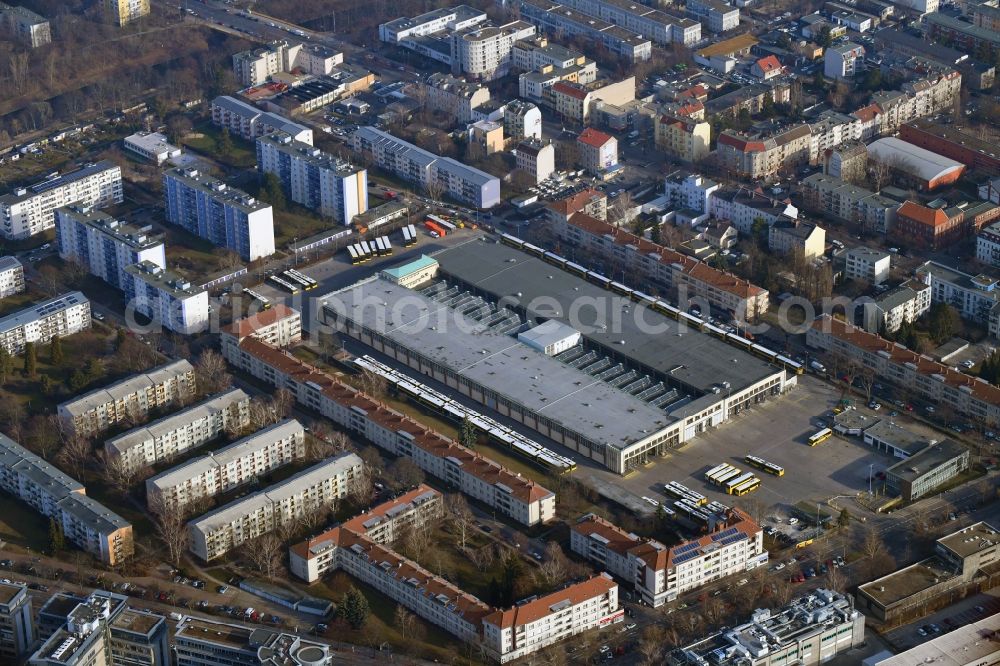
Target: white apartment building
25, 26
823, 193
278, 326
232, 466
248, 122
660, 574
598, 152
926, 379
987, 245
659, 26
464, 183
529, 627
842, 61
256, 66
453, 96
480, 478
203, 642
716, 15
314, 557
402, 30
31, 210
151, 146
172, 435
63, 315
322, 485
904, 304
169, 384
976, 297
522, 120
167, 299
690, 194
11, 277
809, 631
317, 180
484, 52
868, 264
104, 245
619, 39
226, 216
536, 159
85, 522
529, 55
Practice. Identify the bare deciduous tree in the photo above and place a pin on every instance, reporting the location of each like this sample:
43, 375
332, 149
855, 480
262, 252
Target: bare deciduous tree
118, 474
404, 474
461, 517
171, 529
325, 443
211, 373
417, 540
263, 554
74, 455
372, 384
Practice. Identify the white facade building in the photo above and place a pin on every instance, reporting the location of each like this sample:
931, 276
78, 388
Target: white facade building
535, 158
976, 297
317, 180
484, 52
11, 277
480, 478
278, 326
63, 315
522, 120
203, 642
988, 245
248, 122
134, 397
104, 245
868, 264
256, 66
188, 429
165, 298
691, 192
151, 146
322, 485
842, 61
904, 304
29, 211
235, 465
226, 216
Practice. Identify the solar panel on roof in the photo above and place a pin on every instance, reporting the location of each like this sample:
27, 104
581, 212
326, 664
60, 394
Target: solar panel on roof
732, 539
722, 535
687, 547
684, 558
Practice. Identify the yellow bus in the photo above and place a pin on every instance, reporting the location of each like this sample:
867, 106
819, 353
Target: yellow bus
820, 437
746, 487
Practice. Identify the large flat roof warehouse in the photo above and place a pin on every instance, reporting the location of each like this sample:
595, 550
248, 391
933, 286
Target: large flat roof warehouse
696, 361
973, 643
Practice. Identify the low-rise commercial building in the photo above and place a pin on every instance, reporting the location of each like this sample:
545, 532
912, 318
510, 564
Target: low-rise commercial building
248, 122
955, 143
927, 470
899, 366
172, 435
232, 466
11, 277
31, 210
868, 264
201, 642
923, 168
85, 522
660, 574
384, 524
317, 488
475, 476
132, 398
434, 173
225, 216
809, 631
961, 646
151, 146
63, 315
105, 246
166, 298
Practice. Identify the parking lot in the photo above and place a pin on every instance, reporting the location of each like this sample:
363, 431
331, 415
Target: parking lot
958, 614
776, 431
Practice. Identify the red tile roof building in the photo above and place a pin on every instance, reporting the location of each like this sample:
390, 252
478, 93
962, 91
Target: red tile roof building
931, 228
278, 326
766, 68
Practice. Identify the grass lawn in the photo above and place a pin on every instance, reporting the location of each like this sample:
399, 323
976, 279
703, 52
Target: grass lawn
22, 525
11, 304
206, 142
296, 222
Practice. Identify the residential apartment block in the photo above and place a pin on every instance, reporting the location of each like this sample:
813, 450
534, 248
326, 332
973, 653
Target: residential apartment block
974, 296
842, 61
63, 315
744, 206
987, 245
278, 326
536, 159
31, 210
597, 151
832, 196
124, 12
464, 183
202, 642
166, 298
682, 136
554, 18
797, 238
190, 428
232, 466
25, 26
716, 15
17, 628
670, 271
660, 574
384, 524
104, 245
658, 26
522, 120
332, 187
85, 522
809, 631
576, 102
430, 34
322, 485
11, 277
132, 398
868, 264
757, 155
484, 52
248, 122
893, 363
256, 66
225, 216
690, 195
891, 309
457, 98
480, 478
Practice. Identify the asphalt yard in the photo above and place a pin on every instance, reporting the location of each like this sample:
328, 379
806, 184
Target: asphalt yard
778, 432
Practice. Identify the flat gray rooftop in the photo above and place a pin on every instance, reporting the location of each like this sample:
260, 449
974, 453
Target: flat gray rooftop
575, 400
694, 360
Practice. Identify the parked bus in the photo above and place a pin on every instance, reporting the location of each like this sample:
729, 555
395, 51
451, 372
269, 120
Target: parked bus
413, 234
284, 284
435, 228
355, 259
440, 221
679, 491
265, 302
715, 471
746, 487
387, 244
765, 466
304, 279
820, 437
733, 483
727, 476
